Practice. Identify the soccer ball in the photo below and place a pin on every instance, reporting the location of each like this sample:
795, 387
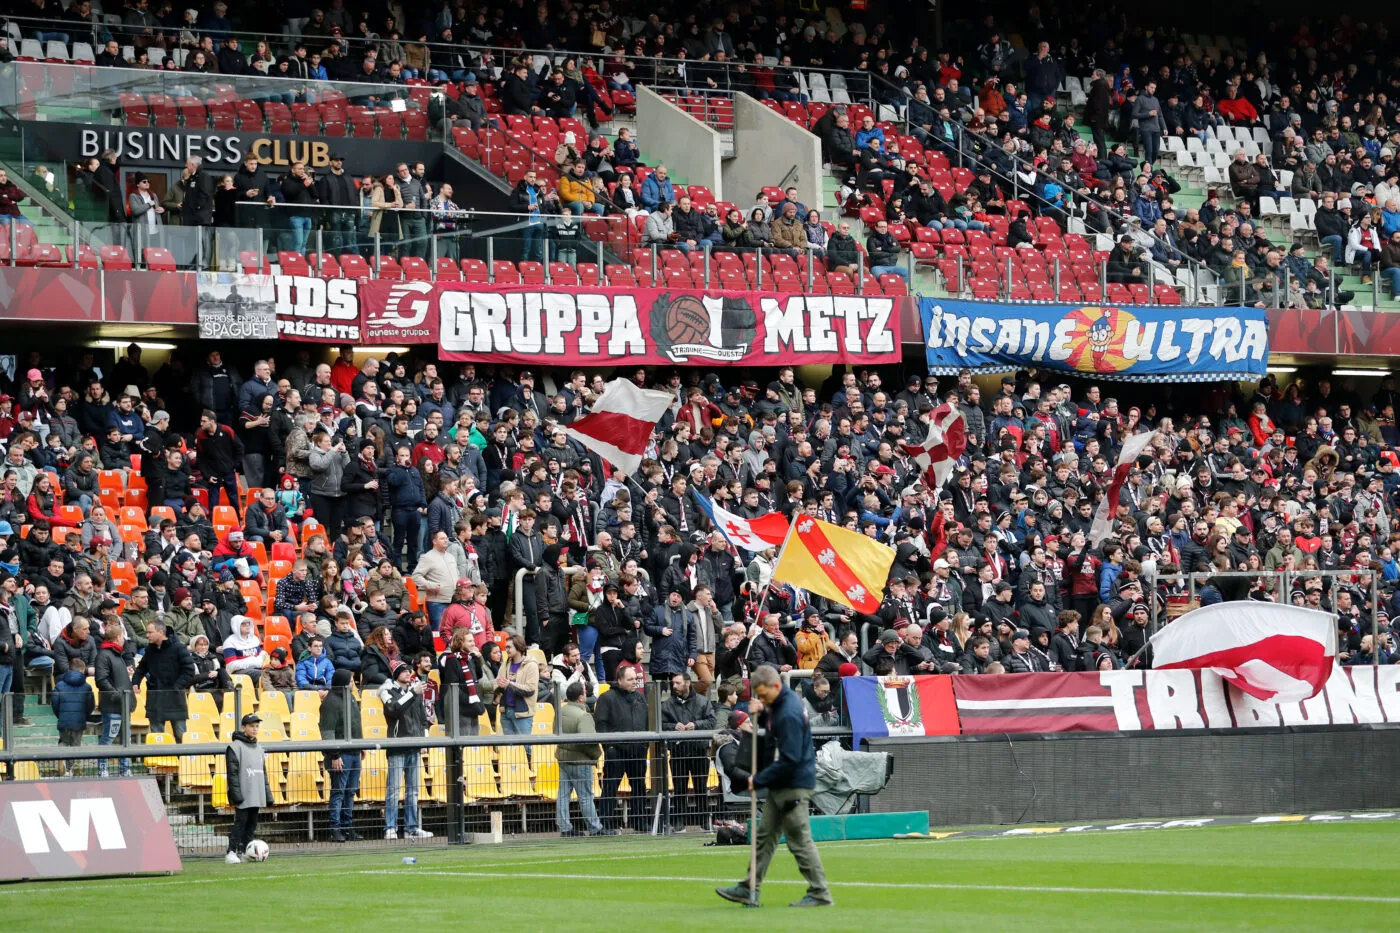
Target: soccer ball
257, 851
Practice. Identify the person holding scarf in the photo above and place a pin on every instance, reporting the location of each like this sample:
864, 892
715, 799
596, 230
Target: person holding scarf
457, 666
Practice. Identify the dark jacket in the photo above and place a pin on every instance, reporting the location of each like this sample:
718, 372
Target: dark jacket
169, 670
360, 501
768, 650
621, 711
198, 207
72, 700
796, 760
374, 667
113, 680
344, 651
67, 654
404, 712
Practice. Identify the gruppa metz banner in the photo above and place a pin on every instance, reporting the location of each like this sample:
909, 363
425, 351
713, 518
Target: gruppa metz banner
1138, 344
630, 326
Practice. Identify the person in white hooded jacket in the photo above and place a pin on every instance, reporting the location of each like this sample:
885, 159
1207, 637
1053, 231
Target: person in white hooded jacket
243, 653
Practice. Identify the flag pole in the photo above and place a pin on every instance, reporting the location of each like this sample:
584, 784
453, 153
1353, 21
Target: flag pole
753, 816
763, 600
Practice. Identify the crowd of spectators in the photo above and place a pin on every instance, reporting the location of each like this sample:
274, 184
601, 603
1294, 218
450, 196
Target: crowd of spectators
431, 486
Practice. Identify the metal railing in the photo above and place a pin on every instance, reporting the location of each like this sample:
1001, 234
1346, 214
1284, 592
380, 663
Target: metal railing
451, 784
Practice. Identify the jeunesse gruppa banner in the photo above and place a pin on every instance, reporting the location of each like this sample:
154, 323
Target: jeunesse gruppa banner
1132, 344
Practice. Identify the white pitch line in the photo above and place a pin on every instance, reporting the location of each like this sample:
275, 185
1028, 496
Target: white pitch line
912, 886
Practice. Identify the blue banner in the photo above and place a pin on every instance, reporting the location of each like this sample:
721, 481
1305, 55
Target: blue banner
1134, 344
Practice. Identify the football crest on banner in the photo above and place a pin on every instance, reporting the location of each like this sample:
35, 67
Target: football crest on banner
709, 328
405, 311
899, 705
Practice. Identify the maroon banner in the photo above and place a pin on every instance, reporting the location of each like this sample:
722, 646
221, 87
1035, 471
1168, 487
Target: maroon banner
1110, 701
66, 829
631, 326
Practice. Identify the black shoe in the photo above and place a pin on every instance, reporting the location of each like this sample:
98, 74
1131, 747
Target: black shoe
352, 835
738, 894
570, 833
337, 836
24, 722
604, 832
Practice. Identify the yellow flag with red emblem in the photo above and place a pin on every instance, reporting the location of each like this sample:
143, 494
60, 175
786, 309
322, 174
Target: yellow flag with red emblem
831, 561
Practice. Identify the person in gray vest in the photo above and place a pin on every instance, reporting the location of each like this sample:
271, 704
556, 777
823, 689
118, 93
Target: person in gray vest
248, 789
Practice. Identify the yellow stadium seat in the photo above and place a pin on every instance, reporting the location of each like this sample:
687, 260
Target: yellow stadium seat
138, 713
371, 703
374, 730
374, 775
27, 771
200, 702
546, 771
162, 762
307, 701
479, 775
437, 731
515, 771
247, 684
304, 728
544, 719
538, 656
272, 733
484, 726
197, 771
434, 775
276, 763
218, 796
274, 708
228, 725
306, 782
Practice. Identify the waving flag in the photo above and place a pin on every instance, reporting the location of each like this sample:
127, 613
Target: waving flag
945, 443
1108, 508
620, 423
751, 534
1270, 651
830, 561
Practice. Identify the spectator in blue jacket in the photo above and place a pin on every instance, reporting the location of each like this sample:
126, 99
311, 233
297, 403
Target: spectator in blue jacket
314, 669
868, 131
657, 189
125, 419
73, 702
250, 394
407, 501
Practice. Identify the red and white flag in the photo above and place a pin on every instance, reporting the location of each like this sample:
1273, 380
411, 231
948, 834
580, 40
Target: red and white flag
945, 443
1108, 508
751, 534
619, 426
1272, 652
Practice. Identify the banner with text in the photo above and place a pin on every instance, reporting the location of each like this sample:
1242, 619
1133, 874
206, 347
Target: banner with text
630, 326
68, 829
236, 307
1138, 344
1111, 701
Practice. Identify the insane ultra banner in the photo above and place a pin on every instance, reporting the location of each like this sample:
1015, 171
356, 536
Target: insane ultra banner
1137, 344
630, 326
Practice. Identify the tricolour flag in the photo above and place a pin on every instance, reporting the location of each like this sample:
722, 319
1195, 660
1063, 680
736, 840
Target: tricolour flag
1108, 508
751, 534
830, 561
945, 443
900, 705
1272, 652
619, 425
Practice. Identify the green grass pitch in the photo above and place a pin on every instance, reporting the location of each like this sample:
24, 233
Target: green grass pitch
1276, 877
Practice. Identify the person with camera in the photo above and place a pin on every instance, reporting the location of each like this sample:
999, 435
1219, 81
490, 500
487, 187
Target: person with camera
325, 493
406, 715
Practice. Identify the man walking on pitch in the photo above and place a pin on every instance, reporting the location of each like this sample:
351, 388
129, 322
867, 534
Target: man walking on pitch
790, 781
